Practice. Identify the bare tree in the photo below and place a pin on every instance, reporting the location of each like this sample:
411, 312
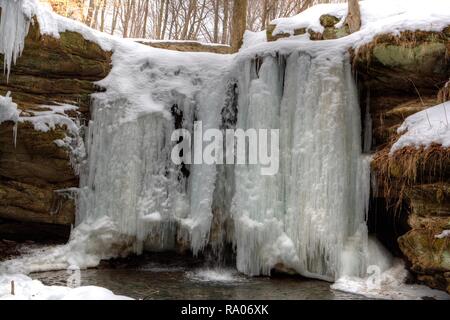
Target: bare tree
354, 16
238, 24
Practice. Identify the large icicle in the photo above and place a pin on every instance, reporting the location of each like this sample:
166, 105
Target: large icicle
130, 176
14, 26
303, 217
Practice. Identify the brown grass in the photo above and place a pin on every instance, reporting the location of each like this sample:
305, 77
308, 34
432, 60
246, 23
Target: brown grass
407, 167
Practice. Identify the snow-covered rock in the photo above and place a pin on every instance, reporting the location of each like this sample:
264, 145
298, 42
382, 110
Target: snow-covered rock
430, 126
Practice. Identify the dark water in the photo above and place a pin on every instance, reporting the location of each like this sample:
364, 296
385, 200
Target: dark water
169, 280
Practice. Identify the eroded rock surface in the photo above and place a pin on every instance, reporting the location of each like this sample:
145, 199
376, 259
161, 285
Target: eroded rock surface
34, 169
399, 76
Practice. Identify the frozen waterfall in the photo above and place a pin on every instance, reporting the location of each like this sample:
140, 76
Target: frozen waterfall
310, 217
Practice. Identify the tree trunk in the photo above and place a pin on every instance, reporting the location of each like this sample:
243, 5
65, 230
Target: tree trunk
216, 21
102, 22
238, 24
226, 10
166, 17
144, 31
90, 12
354, 16
265, 11
115, 16
191, 9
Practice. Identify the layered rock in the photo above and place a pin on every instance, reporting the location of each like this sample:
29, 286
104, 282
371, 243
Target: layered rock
35, 170
399, 76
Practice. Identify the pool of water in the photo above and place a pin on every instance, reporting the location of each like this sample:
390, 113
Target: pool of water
148, 279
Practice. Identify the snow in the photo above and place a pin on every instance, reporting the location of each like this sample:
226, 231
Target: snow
27, 289
389, 284
8, 109
310, 18
422, 129
47, 120
377, 17
91, 242
443, 234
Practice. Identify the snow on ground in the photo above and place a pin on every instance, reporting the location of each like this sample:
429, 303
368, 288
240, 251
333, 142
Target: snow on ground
27, 289
389, 284
90, 242
377, 16
422, 129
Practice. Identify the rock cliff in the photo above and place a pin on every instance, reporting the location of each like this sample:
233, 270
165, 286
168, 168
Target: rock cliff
399, 76
35, 170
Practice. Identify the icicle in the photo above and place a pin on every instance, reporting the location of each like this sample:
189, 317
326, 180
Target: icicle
304, 217
367, 126
14, 26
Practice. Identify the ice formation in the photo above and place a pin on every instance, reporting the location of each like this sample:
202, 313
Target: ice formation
310, 217
307, 217
14, 25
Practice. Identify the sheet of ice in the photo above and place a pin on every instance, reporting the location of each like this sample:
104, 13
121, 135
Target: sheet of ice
91, 242
27, 289
130, 176
422, 129
8, 109
304, 216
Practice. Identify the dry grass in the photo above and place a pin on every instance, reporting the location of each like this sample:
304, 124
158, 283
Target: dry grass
444, 93
409, 166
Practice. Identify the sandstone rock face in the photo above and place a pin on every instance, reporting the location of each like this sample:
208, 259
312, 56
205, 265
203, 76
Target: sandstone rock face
34, 170
399, 76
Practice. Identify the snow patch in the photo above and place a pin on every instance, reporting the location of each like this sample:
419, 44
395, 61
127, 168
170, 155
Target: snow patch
8, 109
427, 127
443, 234
91, 242
377, 17
27, 289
